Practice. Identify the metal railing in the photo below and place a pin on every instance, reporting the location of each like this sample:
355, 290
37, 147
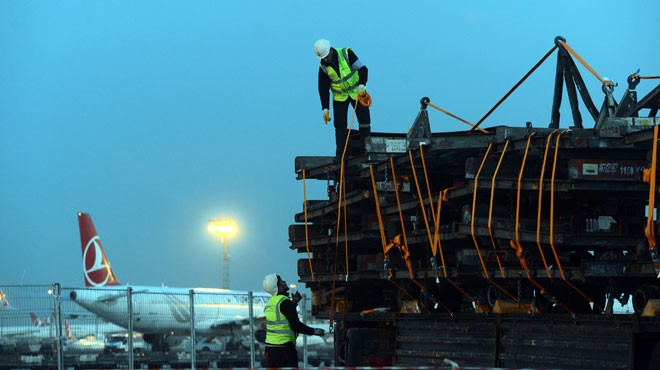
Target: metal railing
50, 327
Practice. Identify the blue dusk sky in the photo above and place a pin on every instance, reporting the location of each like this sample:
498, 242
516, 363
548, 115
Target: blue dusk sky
156, 116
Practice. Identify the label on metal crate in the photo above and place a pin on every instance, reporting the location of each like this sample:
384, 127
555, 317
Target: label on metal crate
396, 146
601, 169
387, 145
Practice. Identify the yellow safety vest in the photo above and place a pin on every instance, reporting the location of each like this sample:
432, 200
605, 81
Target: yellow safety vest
347, 85
278, 330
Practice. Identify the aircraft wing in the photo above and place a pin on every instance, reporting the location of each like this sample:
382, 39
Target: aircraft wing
21, 332
229, 325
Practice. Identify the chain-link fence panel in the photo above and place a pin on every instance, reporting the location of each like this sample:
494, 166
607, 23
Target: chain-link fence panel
48, 327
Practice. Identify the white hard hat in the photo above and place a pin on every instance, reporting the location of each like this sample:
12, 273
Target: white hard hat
270, 284
322, 48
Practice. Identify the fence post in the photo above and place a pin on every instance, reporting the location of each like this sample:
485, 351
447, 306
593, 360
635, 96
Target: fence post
251, 316
58, 325
193, 341
129, 306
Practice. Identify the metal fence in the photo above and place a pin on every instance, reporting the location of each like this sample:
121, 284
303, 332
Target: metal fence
50, 327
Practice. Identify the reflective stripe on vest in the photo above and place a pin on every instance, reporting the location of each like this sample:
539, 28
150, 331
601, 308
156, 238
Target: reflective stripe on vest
347, 85
278, 330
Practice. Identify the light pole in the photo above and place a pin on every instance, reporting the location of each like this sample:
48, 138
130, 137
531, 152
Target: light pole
224, 228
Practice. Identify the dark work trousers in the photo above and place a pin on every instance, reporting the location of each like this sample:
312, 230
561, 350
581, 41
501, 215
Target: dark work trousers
341, 113
284, 355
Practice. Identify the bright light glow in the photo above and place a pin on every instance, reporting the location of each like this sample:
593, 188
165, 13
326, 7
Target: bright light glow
223, 227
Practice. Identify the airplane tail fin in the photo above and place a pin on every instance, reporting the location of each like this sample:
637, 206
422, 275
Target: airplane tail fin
69, 334
3, 300
96, 267
35, 319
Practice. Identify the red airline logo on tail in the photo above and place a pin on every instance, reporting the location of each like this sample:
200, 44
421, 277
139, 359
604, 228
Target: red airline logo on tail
96, 267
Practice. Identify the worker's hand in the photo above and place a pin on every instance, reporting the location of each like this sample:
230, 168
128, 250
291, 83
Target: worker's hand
296, 297
326, 116
362, 90
318, 331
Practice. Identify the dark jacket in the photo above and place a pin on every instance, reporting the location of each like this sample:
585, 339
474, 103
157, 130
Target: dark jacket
288, 309
324, 80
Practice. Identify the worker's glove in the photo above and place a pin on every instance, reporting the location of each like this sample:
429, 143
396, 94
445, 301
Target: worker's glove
296, 297
326, 116
318, 331
362, 90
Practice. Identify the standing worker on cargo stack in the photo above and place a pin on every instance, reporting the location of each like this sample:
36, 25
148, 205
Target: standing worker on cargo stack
342, 72
282, 324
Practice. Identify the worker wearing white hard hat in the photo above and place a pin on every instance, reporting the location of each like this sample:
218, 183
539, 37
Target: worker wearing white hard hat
282, 324
346, 76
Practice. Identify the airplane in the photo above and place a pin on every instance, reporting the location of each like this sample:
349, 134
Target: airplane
41, 333
47, 321
157, 311
89, 344
4, 304
40, 329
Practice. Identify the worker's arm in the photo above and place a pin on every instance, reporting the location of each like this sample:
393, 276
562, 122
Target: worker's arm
288, 309
363, 72
324, 89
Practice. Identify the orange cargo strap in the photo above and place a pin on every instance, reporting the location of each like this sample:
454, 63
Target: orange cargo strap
350, 130
426, 177
381, 227
552, 212
442, 196
345, 218
538, 218
454, 116
309, 256
403, 249
437, 245
474, 206
587, 66
342, 194
515, 243
343, 188
649, 176
435, 241
403, 226
490, 210
404, 245
552, 206
474, 237
420, 198
341, 205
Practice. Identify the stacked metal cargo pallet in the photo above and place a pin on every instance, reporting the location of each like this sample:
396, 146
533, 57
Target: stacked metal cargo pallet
426, 228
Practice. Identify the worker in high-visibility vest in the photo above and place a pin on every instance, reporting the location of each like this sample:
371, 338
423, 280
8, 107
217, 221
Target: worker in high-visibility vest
346, 76
282, 324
